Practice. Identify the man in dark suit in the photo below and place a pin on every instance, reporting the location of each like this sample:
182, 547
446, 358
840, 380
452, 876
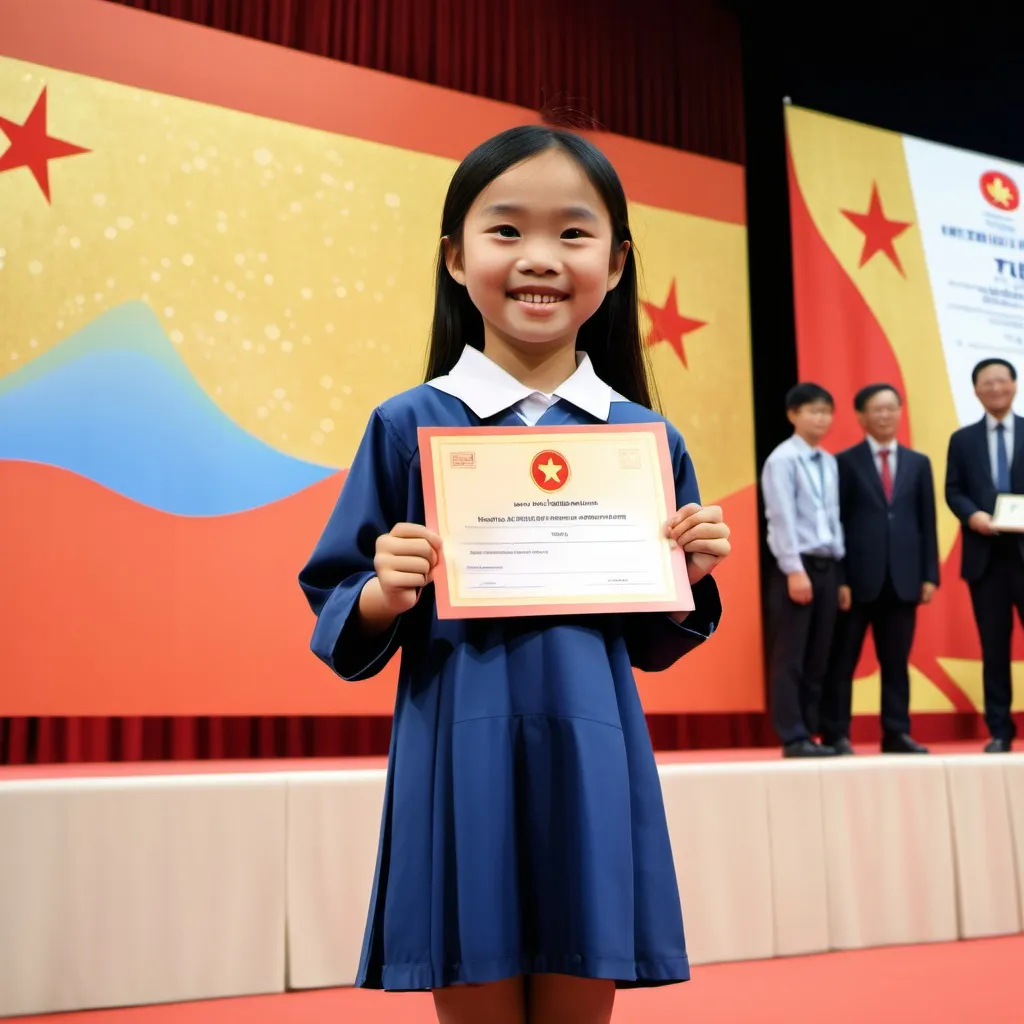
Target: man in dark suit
986, 459
887, 506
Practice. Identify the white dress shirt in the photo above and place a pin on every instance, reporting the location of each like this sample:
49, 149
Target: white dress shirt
892, 447
488, 389
800, 485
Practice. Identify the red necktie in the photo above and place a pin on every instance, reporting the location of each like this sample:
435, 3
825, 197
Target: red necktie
886, 473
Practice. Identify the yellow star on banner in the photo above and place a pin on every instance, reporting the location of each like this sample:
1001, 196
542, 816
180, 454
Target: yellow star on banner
551, 469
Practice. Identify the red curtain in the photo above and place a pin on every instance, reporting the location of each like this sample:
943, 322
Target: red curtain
669, 73
665, 72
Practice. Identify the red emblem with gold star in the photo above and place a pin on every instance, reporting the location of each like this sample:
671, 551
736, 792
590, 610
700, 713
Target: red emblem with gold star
1000, 191
550, 471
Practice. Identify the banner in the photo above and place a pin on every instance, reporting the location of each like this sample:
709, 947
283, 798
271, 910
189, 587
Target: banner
908, 261
216, 258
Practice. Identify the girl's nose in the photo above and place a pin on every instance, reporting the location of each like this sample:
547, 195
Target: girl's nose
538, 257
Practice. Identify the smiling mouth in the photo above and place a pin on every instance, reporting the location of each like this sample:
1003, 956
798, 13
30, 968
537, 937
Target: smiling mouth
544, 298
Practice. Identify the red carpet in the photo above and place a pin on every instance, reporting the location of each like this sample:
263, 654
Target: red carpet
952, 983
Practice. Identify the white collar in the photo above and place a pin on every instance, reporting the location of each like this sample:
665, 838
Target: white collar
805, 449
877, 446
488, 389
992, 421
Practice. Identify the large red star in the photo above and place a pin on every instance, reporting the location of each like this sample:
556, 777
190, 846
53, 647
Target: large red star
31, 147
668, 325
879, 232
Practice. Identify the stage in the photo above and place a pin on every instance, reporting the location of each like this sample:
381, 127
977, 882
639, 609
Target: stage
123, 885
933, 983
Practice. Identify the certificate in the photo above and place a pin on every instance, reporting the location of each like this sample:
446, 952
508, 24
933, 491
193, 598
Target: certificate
552, 521
1009, 514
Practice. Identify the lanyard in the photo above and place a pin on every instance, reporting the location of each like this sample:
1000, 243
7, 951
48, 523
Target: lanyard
817, 486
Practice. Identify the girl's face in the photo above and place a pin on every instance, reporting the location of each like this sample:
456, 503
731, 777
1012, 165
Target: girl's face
536, 253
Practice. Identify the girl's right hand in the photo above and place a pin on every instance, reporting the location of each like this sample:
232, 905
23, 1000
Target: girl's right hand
404, 562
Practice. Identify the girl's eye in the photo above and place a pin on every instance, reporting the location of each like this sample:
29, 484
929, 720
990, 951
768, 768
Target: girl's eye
572, 233
507, 231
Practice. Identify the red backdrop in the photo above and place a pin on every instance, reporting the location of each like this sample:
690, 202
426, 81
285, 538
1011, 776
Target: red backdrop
670, 74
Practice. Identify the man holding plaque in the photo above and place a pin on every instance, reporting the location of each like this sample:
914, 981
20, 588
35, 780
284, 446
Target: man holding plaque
984, 471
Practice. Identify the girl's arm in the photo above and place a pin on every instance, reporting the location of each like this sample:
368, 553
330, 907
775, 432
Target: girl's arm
373, 499
657, 641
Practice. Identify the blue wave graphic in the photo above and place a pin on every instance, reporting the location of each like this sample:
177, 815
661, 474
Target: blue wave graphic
116, 404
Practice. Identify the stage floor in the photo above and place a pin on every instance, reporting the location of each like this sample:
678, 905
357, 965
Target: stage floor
336, 764
947, 983
123, 885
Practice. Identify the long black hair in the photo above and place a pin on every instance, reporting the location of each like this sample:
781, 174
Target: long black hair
611, 337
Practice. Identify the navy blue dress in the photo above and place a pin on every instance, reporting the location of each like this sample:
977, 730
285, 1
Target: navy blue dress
523, 829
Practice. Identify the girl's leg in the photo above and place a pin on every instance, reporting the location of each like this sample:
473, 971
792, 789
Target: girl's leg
499, 1002
557, 998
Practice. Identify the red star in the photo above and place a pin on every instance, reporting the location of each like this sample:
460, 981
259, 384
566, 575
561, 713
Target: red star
31, 147
879, 232
668, 325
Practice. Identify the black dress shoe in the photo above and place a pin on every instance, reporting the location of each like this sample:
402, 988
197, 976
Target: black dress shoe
807, 748
842, 747
999, 746
902, 744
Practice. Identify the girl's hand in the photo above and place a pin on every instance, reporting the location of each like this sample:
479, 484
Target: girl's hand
404, 562
702, 535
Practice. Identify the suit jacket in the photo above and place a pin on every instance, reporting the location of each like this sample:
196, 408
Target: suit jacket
970, 488
884, 541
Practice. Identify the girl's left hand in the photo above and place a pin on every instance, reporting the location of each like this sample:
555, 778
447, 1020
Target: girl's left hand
703, 536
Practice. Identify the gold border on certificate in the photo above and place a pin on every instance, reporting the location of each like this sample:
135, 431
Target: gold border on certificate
558, 458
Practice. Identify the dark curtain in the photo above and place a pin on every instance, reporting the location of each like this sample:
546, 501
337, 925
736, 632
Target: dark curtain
669, 73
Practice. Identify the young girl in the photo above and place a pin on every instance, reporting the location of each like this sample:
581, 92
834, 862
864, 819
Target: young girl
524, 868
